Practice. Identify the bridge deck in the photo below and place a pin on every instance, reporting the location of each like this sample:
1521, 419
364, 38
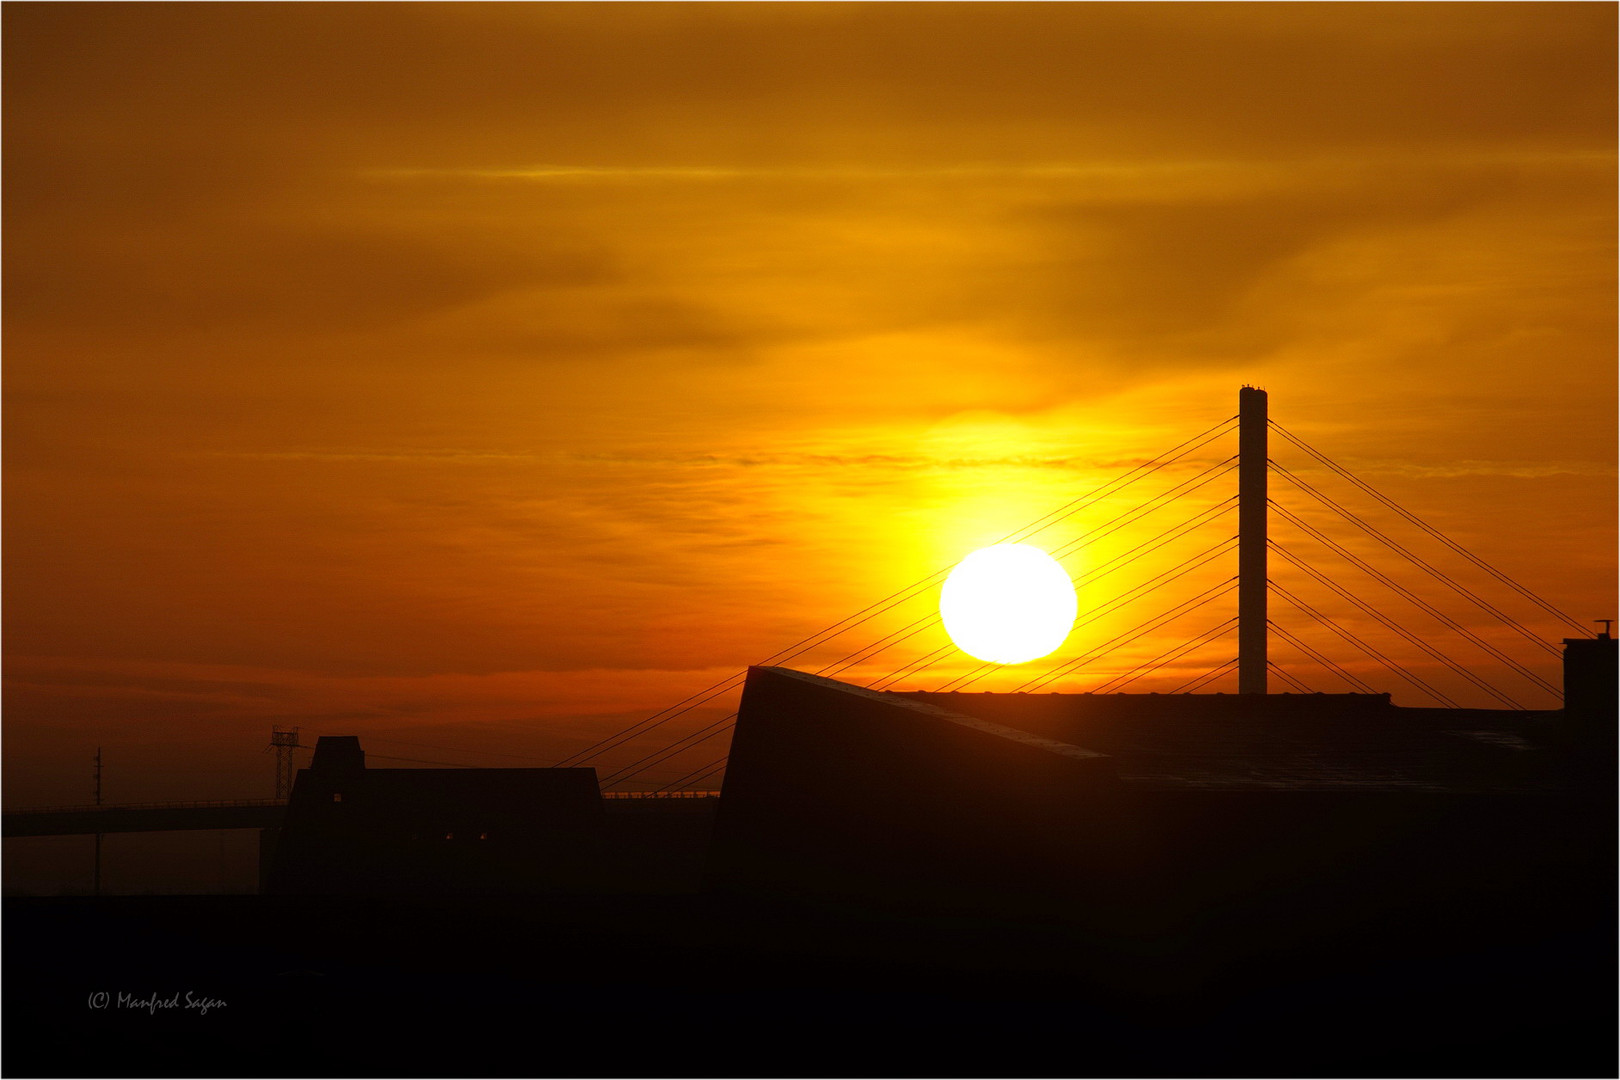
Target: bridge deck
147, 817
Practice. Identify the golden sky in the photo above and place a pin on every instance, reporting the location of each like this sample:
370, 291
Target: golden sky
491, 375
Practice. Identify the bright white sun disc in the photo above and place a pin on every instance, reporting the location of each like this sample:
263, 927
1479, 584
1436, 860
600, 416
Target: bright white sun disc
1008, 604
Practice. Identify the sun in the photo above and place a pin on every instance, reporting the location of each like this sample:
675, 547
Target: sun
1008, 604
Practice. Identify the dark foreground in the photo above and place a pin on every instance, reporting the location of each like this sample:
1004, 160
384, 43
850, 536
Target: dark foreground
699, 986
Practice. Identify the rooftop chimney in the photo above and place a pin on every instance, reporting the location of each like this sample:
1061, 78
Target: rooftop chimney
1592, 683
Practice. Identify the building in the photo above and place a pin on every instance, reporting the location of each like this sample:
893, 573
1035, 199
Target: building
350, 829
1141, 817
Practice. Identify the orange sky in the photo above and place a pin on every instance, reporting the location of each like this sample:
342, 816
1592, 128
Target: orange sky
489, 376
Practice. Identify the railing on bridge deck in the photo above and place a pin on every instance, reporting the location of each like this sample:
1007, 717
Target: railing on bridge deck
82, 808
660, 794
144, 817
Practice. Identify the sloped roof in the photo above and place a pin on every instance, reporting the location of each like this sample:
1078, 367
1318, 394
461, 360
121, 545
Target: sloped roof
1286, 741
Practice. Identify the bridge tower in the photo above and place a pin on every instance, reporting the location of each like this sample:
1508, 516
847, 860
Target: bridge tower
284, 742
1251, 540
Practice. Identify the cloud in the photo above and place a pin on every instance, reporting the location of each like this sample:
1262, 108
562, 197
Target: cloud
1519, 470
1133, 180
376, 351
254, 276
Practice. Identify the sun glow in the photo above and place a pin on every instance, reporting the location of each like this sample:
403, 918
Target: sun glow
1008, 604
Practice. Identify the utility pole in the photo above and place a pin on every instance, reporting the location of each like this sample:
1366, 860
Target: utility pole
1251, 541
284, 741
97, 886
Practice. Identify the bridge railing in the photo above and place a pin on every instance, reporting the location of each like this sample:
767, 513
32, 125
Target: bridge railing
93, 808
660, 794
209, 803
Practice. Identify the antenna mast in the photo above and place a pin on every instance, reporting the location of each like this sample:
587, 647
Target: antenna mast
96, 888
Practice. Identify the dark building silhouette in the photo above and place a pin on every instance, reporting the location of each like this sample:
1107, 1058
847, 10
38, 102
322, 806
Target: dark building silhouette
1590, 674
354, 830
1138, 885
1146, 818
1009, 803
834, 790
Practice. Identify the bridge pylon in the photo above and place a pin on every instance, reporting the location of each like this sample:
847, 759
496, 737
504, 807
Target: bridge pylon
1252, 451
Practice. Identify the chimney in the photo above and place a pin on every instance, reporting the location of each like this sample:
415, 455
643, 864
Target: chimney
1592, 685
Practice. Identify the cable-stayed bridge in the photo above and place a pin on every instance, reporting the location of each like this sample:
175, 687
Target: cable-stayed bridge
1265, 566
1241, 560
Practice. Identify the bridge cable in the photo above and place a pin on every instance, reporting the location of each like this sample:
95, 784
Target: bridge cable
1430, 529
1419, 602
1393, 666
867, 652
1128, 637
919, 625
1204, 438
1141, 510
1206, 678
1090, 577
1186, 607
1393, 625
680, 746
1297, 684
1203, 517
1142, 589
693, 777
1325, 661
1119, 682
1108, 607
1439, 575
914, 667
1128, 676
1124, 599
820, 637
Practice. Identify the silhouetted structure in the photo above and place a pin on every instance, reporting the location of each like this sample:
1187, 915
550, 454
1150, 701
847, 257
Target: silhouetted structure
147, 817
1252, 465
284, 741
837, 790
1280, 817
1320, 881
353, 829
1588, 722
1590, 674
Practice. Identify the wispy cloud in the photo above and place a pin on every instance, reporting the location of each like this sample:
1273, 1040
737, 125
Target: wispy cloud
699, 459
354, 342
863, 174
1255, 169
401, 457
1525, 470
